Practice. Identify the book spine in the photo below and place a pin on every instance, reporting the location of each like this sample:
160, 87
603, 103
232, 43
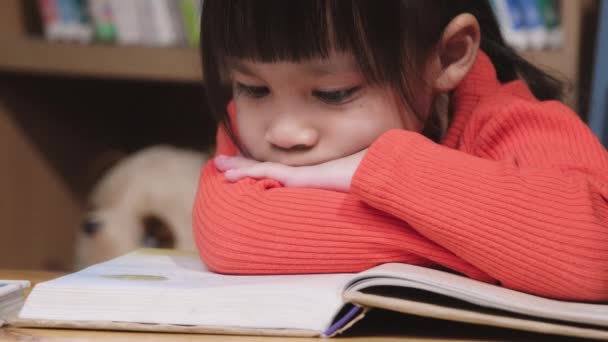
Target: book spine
103, 20
165, 33
68, 15
49, 12
190, 17
535, 27
176, 22
126, 20
146, 22
551, 13
512, 23
84, 23
199, 14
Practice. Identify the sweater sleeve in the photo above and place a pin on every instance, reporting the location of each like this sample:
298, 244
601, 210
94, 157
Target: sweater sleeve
260, 227
527, 204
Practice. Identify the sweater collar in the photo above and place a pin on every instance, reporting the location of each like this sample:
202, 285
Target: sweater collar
481, 83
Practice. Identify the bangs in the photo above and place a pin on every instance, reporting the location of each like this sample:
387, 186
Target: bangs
390, 40
272, 31
297, 30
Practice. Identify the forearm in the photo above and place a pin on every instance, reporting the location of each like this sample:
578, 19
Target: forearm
537, 230
258, 226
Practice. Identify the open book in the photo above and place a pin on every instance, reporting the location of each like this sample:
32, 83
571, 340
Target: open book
169, 290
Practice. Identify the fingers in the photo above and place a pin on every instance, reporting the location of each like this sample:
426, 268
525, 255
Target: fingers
333, 175
238, 167
260, 170
224, 163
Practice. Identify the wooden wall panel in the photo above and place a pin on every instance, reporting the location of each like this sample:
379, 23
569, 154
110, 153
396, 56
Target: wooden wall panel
11, 18
55, 132
38, 214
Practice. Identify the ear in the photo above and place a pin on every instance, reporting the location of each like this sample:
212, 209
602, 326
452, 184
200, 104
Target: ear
456, 52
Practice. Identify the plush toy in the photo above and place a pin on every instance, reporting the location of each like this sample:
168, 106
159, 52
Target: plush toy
145, 200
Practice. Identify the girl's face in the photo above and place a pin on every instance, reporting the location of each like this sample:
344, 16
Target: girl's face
310, 112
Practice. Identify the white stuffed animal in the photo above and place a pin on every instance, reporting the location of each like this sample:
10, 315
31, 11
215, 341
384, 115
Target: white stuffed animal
143, 201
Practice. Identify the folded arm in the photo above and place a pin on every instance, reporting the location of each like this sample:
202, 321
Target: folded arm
529, 207
260, 227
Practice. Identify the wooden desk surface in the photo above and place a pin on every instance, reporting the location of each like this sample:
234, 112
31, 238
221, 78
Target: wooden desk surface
394, 327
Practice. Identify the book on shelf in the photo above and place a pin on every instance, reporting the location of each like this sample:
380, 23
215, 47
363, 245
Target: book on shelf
530, 24
191, 15
102, 17
124, 22
172, 291
525, 24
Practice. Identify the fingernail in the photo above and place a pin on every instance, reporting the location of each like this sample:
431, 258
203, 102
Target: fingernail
229, 174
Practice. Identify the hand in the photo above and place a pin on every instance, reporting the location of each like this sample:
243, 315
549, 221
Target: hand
332, 175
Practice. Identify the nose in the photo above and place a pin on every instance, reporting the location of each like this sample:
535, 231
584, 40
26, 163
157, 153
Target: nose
288, 134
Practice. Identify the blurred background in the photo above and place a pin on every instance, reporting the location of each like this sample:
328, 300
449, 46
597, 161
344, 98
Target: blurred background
84, 83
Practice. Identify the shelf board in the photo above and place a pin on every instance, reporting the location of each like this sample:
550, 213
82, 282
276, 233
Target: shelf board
149, 63
103, 61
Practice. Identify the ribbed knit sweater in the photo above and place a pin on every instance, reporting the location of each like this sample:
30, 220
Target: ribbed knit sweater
516, 194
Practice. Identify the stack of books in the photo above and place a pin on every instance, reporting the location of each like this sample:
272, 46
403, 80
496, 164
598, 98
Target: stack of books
123, 22
530, 24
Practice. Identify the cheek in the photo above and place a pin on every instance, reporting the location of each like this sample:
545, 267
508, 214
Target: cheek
368, 121
250, 125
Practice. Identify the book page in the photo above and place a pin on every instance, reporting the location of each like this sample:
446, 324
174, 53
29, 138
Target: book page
11, 296
479, 293
9, 286
171, 287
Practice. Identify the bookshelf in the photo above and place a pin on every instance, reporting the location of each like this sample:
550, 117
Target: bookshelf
35, 55
63, 106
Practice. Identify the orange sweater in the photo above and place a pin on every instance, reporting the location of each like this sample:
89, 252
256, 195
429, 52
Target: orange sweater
516, 193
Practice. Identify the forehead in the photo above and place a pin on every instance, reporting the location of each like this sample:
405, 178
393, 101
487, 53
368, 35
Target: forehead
335, 63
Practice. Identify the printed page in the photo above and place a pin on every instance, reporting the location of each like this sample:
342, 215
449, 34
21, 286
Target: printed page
479, 293
173, 287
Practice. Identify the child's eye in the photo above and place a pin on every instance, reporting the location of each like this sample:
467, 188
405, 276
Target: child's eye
251, 91
336, 97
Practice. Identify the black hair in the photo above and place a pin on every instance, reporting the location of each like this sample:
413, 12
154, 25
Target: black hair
390, 40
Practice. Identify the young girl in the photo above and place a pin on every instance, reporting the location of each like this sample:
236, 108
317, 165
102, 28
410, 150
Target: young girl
366, 132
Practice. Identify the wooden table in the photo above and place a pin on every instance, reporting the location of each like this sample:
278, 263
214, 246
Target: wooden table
384, 327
